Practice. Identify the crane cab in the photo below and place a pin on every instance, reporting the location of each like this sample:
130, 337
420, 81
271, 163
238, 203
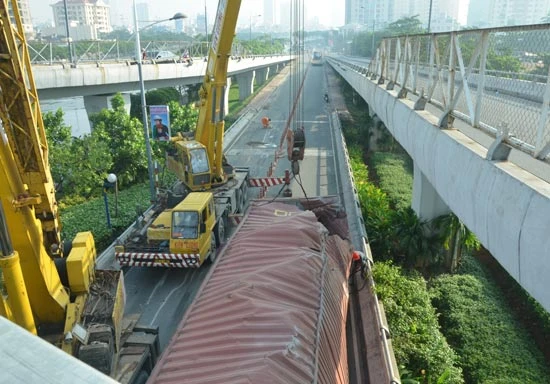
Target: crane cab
188, 159
193, 222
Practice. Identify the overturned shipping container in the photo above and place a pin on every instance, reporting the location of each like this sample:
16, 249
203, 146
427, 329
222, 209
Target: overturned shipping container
273, 308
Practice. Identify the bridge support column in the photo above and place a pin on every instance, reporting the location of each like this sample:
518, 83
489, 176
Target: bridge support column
262, 76
426, 202
226, 97
96, 103
274, 69
246, 84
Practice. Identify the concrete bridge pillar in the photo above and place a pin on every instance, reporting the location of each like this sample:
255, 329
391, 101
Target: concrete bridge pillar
226, 97
246, 84
426, 202
262, 75
274, 69
96, 103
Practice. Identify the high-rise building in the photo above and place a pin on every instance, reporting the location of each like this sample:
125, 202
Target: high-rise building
86, 18
479, 13
142, 10
270, 13
499, 13
286, 17
25, 14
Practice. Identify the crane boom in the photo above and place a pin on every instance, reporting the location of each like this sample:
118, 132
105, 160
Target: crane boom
210, 128
200, 163
26, 186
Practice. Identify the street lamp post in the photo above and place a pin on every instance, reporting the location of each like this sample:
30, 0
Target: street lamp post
430, 18
373, 53
143, 101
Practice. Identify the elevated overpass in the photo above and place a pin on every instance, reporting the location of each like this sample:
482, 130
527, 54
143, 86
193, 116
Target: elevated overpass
478, 151
58, 81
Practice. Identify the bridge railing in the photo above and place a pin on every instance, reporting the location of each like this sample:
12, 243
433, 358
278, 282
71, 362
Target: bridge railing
496, 79
100, 51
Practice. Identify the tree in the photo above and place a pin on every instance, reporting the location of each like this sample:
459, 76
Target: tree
60, 155
455, 237
125, 140
161, 96
405, 26
78, 165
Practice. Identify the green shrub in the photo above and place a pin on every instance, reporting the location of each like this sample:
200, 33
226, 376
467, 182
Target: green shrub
492, 346
417, 341
90, 215
394, 176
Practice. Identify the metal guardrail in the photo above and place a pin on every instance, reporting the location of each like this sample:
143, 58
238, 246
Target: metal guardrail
356, 221
495, 79
99, 51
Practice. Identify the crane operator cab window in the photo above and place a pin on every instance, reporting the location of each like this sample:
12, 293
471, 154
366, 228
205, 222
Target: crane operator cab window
199, 161
185, 225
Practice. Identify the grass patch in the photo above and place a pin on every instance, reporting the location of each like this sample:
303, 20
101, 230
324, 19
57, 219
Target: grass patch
394, 172
416, 339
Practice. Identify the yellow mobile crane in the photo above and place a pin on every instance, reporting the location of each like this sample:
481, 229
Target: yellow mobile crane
50, 291
211, 189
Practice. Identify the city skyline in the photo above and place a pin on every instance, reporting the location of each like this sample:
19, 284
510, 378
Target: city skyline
326, 12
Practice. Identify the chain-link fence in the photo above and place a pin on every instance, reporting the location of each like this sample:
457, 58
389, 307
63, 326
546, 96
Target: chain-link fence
495, 79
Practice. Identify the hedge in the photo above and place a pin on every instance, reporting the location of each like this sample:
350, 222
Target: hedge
493, 347
417, 342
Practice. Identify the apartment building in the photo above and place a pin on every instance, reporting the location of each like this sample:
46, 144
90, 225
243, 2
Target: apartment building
87, 18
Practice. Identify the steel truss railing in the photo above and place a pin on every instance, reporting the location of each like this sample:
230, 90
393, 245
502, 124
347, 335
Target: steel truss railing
496, 80
100, 51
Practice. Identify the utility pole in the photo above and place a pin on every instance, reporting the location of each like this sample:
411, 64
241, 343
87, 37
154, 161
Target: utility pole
430, 17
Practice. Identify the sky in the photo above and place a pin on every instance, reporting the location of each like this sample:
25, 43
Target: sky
329, 12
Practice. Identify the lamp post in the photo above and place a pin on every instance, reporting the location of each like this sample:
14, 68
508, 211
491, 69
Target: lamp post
110, 182
143, 101
206, 27
250, 28
430, 17
373, 53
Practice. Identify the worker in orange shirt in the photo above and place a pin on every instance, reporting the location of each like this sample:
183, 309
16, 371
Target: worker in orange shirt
266, 121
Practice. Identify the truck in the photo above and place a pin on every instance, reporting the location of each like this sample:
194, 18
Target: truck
273, 307
200, 167
50, 287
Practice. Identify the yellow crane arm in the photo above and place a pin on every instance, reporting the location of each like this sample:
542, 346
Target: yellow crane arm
210, 127
26, 186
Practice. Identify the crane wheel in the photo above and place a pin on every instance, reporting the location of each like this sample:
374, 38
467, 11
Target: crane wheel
240, 201
213, 250
244, 188
219, 231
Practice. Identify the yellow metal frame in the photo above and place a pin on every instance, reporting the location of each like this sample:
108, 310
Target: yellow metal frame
27, 195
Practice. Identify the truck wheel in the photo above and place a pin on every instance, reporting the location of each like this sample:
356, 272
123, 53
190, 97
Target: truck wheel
240, 201
213, 250
244, 188
142, 377
220, 231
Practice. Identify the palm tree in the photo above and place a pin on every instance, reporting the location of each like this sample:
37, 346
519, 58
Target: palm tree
416, 241
456, 236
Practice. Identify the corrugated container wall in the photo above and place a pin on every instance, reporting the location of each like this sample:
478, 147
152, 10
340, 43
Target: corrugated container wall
272, 310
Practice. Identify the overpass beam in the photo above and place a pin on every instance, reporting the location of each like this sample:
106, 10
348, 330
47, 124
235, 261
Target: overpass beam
226, 98
246, 84
426, 202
